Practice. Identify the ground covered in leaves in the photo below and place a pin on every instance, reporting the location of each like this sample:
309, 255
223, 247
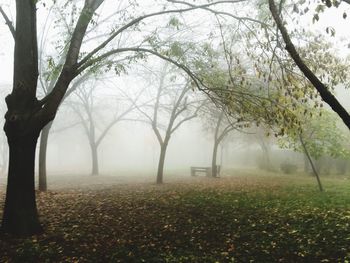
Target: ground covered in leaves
232, 219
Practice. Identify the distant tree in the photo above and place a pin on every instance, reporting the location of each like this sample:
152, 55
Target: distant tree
174, 104
51, 64
317, 136
261, 136
27, 116
90, 113
220, 124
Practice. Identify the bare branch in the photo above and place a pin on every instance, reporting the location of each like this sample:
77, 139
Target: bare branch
226, 131
239, 18
113, 122
81, 117
183, 120
8, 23
54, 98
61, 129
139, 19
197, 82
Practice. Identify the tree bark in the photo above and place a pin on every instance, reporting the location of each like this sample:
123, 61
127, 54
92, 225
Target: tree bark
94, 159
161, 162
42, 157
311, 163
214, 169
22, 127
217, 139
26, 116
306, 164
20, 212
322, 89
265, 147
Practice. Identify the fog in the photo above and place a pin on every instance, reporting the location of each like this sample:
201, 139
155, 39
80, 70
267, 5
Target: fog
174, 131
130, 148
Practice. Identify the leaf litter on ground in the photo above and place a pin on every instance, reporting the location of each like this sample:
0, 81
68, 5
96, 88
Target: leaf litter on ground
231, 219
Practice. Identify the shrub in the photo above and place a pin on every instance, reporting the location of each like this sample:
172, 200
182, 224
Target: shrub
288, 168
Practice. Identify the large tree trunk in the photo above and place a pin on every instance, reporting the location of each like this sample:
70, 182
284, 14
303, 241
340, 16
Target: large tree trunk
26, 116
214, 170
94, 159
22, 127
160, 171
42, 157
20, 213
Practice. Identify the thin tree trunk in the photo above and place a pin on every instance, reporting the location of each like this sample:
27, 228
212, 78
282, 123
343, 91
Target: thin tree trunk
311, 163
94, 159
306, 163
214, 169
20, 212
160, 171
221, 154
265, 147
42, 157
216, 144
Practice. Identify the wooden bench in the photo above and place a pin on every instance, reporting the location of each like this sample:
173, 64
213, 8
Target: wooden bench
206, 170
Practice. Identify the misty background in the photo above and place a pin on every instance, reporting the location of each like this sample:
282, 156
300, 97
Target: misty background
130, 148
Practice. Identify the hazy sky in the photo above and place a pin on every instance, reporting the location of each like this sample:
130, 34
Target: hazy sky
143, 146
330, 18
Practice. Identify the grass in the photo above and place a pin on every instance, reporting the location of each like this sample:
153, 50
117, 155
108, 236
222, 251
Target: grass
234, 219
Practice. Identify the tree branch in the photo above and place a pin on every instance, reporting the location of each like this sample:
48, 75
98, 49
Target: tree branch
196, 81
227, 129
113, 122
325, 94
54, 98
139, 19
8, 23
215, 12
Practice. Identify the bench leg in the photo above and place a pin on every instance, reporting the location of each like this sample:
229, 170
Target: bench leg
193, 172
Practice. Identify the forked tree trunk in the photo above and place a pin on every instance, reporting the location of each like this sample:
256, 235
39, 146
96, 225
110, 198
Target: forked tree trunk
20, 213
94, 159
26, 116
42, 157
161, 163
22, 127
214, 170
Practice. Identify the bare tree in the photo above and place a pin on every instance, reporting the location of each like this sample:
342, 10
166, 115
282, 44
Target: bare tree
48, 72
87, 110
173, 106
27, 116
220, 125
